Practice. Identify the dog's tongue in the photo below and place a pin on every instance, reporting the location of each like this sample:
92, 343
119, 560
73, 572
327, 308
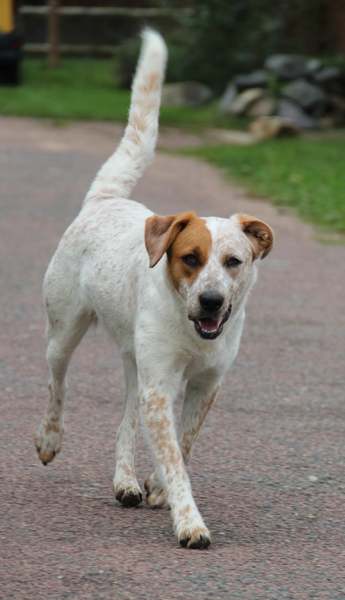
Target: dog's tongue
209, 324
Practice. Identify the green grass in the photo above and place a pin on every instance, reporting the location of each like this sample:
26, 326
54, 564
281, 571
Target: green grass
198, 119
307, 175
86, 90
79, 89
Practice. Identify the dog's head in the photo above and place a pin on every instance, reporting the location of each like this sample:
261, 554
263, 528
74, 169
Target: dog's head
209, 262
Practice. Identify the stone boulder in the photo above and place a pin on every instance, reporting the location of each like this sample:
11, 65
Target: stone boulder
312, 95
242, 102
273, 127
285, 66
187, 93
263, 107
257, 79
313, 65
308, 96
328, 75
290, 110
228, 98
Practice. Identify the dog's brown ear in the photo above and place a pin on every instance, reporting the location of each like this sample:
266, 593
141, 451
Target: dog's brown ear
259, 233
161, 232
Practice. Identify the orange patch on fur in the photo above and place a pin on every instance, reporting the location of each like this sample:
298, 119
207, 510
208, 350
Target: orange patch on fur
134, 136
152, 83
156, 403
178, 235
184, 512
259, 233
159, 424
194, 239
51, 427
128, 470
139, 122
160, 233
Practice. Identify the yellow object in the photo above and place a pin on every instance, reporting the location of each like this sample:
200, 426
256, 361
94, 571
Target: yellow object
6, 16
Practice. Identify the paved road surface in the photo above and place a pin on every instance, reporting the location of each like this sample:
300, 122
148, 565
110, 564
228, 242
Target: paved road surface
279, 419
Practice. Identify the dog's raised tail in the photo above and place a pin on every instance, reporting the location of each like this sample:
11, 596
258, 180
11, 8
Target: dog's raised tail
119, 174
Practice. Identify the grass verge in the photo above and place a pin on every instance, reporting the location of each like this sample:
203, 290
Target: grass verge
86, 90
307, 175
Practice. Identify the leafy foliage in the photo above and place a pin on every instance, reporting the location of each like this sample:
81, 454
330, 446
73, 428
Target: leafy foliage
225, 38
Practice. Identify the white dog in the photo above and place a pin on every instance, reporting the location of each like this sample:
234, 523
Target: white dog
171, 293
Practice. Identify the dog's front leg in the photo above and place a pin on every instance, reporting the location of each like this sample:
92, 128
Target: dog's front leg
157, 413
199, 399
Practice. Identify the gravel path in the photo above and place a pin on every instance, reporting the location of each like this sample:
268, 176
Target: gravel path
268, 470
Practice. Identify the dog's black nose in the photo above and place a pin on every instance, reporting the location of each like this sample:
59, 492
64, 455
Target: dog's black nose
211, 301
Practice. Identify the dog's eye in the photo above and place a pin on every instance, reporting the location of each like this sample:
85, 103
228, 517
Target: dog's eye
190, 260
233, 262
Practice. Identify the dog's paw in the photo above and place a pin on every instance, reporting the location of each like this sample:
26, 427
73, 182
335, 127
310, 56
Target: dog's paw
190, 529
129, 496
154, 492
196, 538
48, 441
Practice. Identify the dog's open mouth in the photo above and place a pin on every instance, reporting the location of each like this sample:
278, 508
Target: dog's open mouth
209, 328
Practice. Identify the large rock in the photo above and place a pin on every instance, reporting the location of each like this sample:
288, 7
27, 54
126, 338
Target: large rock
228, 98
242, 102
286, 66
240, 83
263, 107
308, 96
328, 75
273, 127
251, 80
289, 110
313, 65
187, 93
228, 136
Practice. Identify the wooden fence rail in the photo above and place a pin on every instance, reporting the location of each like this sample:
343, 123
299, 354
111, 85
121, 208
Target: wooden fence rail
98, 50
52, 12
104, 11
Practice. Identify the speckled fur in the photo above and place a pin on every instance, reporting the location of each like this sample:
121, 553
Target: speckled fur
101, 272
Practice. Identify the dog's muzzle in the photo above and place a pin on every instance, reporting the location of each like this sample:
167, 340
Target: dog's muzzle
209, 328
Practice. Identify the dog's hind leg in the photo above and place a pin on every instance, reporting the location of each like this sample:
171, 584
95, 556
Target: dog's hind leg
126, 487
198, 400
64, 333
154, 490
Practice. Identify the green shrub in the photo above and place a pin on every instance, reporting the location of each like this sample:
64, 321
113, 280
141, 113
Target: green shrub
221, 38
226, 38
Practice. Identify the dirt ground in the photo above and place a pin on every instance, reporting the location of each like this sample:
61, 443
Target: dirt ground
268, 470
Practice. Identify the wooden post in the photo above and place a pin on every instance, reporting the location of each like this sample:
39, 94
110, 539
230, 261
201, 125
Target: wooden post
53, 34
